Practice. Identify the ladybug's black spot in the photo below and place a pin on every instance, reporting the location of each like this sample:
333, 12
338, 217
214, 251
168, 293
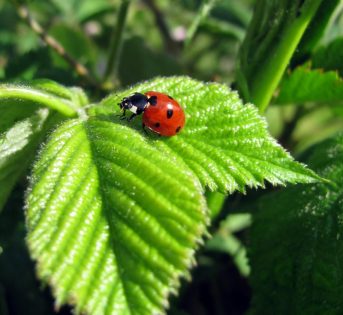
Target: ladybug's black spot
178, 129
170, 97
169, 113
153, 100
157, 124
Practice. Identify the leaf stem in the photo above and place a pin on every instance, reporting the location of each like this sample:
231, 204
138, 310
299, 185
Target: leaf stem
266, 81
116, 41
24, 93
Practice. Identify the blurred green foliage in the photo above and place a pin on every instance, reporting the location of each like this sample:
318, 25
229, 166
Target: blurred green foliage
84, 29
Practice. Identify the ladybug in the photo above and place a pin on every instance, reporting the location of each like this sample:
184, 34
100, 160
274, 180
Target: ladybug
161, 113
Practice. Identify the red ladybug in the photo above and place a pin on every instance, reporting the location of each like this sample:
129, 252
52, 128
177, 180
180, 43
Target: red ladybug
161, 113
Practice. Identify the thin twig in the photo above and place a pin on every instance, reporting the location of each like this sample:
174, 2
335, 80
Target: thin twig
116, 41
80, 69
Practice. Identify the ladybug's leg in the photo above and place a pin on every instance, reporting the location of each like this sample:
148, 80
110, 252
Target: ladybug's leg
122, 116
143, 126
132, 116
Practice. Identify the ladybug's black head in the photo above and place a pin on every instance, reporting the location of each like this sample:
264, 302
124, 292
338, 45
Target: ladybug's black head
135, 103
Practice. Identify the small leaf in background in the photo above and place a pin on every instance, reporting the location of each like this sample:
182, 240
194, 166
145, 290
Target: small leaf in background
17, 145
10, 114
296, 242
306, 85
81, 11
330, 57
113, 223
225, 241
88, 9
226, 144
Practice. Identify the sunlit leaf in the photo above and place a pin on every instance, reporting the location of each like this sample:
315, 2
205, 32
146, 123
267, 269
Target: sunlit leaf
113, 223
225, 143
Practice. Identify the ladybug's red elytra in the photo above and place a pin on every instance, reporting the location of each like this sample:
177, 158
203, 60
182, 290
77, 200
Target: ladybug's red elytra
161, 113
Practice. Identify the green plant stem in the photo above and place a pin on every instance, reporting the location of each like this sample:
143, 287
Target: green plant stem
43, 99
116, 41
205, 9
266, 81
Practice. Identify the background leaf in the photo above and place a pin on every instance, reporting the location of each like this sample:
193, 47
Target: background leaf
330, 57
225, 241
296, 247
10, 115
305, 85
17, 145
110, 225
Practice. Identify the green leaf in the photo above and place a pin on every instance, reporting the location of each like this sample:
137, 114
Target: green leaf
225, 143
89, 9
225, 241
114, 215
17, 145
203, 12
330, 57
82, 11
44, 93
11, 115
112, 222
305, 85
222, 28
296, 246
